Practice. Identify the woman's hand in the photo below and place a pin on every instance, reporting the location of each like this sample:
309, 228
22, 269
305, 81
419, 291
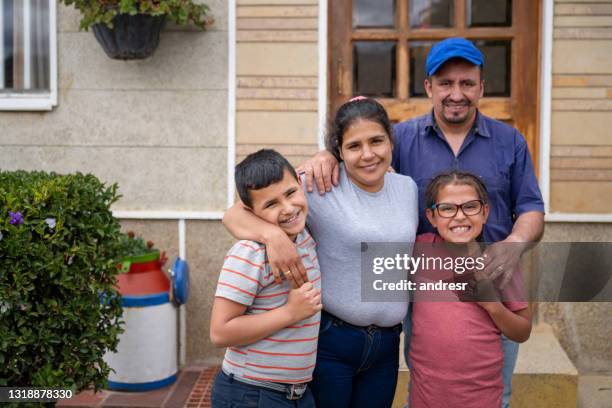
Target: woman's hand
284, 259
323, 167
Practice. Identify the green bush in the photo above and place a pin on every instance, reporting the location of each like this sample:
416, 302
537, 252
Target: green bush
59, 311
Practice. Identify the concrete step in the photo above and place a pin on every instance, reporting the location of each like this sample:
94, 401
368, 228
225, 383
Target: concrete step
595, 390
544, 376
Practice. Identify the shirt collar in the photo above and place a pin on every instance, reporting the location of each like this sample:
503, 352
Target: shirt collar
480, 125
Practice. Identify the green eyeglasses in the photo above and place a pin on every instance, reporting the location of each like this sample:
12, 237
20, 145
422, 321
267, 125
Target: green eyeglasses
449, 210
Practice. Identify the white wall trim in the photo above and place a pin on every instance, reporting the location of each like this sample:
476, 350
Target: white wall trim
231, 101
27, 44
2, 47
53, 52
546, 100
573, 217
322, 90
182, 312
17, 102
181, 237
168, 215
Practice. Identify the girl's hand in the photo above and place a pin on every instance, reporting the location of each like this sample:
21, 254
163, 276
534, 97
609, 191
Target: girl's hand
285, 261
303, 302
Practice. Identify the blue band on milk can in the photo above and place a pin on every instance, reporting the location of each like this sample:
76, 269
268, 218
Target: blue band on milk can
180, 281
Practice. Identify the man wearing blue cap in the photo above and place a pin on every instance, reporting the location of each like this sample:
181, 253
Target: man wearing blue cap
455, 135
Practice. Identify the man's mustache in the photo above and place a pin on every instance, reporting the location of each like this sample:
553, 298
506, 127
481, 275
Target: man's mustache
463, 102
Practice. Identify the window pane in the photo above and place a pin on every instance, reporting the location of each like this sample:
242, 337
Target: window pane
418, 55
431, 13
496, 70
491, 13
374, 68
368, 13
24, 46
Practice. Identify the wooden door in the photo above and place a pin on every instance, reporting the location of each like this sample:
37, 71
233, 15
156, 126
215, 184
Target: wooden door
378, 49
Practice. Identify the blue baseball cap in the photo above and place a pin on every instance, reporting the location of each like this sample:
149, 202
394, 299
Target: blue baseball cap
455, 47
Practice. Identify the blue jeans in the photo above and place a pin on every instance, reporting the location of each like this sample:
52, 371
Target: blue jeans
510, 354
229, 393
356, 366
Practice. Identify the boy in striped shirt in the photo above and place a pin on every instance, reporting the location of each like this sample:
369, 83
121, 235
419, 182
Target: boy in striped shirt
270, 329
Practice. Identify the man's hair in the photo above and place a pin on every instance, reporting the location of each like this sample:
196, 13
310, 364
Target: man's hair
259, 170
355, 110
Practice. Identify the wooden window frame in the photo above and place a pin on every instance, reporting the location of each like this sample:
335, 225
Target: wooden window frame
521, 108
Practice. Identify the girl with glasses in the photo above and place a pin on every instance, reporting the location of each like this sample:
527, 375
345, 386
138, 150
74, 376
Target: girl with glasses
456, 350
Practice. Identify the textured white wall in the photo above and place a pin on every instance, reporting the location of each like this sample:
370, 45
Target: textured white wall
158, 127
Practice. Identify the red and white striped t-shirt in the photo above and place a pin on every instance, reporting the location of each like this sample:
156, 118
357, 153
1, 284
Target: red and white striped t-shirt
289, 355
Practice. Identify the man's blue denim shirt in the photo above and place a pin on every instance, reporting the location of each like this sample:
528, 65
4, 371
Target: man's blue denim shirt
492, 150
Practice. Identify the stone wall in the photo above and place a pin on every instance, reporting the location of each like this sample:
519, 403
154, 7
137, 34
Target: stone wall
276, 66
583, 329
158, 126
581, 151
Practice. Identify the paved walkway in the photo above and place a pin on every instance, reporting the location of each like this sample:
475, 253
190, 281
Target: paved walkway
191, 389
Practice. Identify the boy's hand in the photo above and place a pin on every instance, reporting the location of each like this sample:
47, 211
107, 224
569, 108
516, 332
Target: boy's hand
284, 259
323, 168
304, 302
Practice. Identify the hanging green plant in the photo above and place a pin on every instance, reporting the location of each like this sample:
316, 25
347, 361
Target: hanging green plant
130, 29
182, 12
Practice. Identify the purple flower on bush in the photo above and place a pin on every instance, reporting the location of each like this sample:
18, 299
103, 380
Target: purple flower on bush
16, 218
50, 222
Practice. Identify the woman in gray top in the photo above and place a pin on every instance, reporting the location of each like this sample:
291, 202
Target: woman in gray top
358, 350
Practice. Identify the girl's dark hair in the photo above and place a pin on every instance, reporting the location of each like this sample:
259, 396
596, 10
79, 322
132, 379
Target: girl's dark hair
454, 177
349, 113
259, 170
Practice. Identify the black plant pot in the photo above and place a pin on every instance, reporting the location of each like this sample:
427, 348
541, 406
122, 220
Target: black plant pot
132, 37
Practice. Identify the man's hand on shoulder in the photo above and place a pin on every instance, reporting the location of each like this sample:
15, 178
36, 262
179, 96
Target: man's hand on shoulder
323, 168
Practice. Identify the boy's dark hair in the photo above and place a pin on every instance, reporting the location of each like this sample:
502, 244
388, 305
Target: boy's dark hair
454, 177
349, 113
259, 170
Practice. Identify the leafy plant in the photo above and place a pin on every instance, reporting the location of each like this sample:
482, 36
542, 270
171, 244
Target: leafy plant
182, 12
131, 245
59, 310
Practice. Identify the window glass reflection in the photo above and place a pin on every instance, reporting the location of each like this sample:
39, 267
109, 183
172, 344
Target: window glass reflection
418, 56
372, 14
431, 13
496, 70
374, 68
489, 13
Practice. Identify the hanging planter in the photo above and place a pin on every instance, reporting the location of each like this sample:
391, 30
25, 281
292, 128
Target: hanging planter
130, 29
132, 37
